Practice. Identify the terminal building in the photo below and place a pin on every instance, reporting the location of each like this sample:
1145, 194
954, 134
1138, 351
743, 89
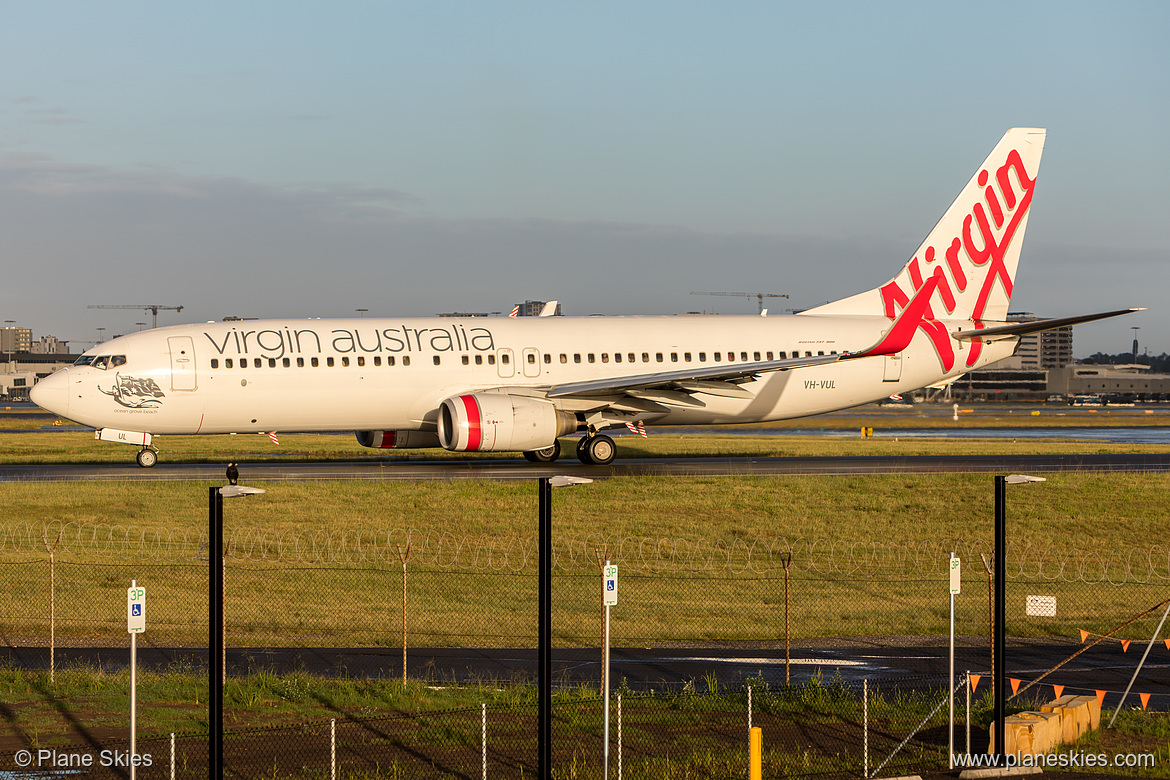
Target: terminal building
1043, 367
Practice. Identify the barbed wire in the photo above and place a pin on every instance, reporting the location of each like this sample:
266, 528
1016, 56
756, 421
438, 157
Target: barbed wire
638, 555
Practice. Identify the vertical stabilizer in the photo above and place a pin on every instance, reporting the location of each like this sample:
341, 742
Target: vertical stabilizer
974, 249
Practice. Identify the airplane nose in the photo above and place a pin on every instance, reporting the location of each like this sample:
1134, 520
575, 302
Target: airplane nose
52, 393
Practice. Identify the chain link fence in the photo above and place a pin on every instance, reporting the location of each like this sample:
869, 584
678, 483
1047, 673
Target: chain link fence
65, 585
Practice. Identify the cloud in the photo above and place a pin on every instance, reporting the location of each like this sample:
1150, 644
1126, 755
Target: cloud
81, 234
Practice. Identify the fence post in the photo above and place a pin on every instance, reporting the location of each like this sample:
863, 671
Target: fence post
172, 755
619, 750
333, 749
749, 709
52, 606
786, 559
865, 728
483, 736
404, 559
968, 721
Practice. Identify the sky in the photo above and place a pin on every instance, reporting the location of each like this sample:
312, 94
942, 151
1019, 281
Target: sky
277, 159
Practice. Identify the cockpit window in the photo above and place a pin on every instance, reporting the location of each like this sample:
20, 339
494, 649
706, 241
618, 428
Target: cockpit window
101, 362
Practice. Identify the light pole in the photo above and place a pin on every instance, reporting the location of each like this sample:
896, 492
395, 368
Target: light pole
215, 645
544, 622
998, 659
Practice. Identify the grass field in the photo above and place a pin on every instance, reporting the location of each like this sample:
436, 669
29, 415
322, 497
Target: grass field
472, 534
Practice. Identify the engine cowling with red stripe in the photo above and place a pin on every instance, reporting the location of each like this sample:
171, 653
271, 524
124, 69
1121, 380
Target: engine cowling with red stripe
397, 440
497, 422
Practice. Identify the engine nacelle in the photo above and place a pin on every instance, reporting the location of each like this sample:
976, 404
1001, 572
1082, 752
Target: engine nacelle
484, 422
397, 440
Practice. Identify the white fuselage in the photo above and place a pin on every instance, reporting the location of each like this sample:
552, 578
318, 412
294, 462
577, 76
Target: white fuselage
365, 374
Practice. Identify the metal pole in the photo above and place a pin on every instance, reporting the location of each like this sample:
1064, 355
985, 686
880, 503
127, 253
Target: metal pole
605, 684
544, 634
968, 720
214, 630
951, 684
786, 559
1000, 609
865, 727
133, 694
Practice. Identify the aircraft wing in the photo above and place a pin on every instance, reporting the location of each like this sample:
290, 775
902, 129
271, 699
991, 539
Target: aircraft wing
1036, 326
676, 387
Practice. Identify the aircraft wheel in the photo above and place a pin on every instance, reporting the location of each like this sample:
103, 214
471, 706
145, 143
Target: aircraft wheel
547, 455
598, 450
147, 458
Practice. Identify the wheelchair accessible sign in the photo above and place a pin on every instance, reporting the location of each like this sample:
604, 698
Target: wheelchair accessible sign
610, 591
136, 610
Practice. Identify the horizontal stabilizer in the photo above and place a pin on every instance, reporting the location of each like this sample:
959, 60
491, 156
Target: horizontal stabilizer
1036, 326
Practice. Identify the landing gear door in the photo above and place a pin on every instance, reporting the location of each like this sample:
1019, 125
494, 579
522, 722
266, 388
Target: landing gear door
182, 362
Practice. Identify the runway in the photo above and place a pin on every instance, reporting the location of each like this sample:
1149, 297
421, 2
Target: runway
890, 663
518, 470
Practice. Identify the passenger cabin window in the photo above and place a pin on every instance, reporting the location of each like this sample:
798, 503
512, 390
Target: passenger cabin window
227, 363
272, 362
406, 360
257, 362
658, 357
315, 362
631, 357
214, 363
436, 360
286, 362
329, 362
300, 363
604, 357
390, 360
466, 360
479, 360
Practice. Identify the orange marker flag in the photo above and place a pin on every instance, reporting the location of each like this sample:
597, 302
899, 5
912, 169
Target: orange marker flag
1057, 690
1101, 698
1015, 685
1084, 635
975, 678
1145, 697
1125, 645
1167, 641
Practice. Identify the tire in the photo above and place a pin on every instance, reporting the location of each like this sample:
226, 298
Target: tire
146, 458
547, 455
598, 450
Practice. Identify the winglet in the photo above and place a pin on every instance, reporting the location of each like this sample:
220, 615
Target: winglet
901, 333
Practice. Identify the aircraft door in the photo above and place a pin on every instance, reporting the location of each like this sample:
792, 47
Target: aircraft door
893, 372
182, 362
504, 362
530, 362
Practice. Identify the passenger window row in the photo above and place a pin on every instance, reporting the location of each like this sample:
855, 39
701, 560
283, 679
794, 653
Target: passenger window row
480, 359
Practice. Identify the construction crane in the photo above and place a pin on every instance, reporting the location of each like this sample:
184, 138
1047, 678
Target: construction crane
150, 308
758, 296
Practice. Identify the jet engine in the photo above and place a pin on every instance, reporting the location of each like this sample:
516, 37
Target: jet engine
397, 440
500, 422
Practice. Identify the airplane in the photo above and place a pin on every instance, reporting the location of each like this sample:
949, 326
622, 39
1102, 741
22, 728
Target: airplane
518, 384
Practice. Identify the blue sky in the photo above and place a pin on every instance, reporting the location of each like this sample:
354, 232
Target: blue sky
300, 159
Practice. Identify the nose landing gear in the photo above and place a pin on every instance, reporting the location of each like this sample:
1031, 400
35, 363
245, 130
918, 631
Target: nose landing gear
146, 457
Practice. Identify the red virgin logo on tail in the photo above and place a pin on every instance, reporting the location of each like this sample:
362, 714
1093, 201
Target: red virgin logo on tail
974, 258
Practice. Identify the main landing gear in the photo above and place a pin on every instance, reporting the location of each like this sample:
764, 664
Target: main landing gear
596, 449
547, 455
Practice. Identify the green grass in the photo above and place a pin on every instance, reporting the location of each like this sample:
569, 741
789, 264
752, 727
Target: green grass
699, 557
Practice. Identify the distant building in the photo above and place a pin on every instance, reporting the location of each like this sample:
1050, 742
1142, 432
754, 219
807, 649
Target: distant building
50, 345
15, 339
1026, 374
533, 309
